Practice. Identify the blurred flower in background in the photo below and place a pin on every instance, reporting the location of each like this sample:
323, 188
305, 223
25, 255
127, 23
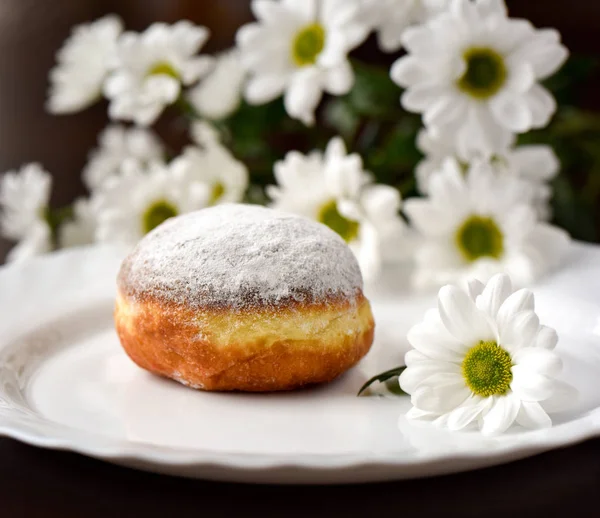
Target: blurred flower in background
80, 228
24, 199
137, 200
461, 178
83, 64
474, 74
116, 146
219, 94
333, 189
301, 49
390, 18
150, 69
535, 164
477, 224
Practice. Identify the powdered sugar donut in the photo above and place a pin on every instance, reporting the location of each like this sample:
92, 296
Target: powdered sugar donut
241, 297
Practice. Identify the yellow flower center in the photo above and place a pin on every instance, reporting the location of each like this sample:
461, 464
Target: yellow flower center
346, 228
485, 75
157, 213
487, 369
217, 191
308, 44
478, 237
163, 68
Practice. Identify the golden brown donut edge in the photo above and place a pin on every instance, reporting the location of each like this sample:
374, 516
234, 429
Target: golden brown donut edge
251, 350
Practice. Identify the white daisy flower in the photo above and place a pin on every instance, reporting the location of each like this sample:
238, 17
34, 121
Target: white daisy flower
334, 189
476, 224
24, 198
212, 164
300, 48
534, 164
116, 145
482, 358
81, 229
83, 63
390, 18
219, 94
474, 74
151, 67
537, 165
136, 201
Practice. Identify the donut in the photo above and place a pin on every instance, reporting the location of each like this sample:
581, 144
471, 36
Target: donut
243, 298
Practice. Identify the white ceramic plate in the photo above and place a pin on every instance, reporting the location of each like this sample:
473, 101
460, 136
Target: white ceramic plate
66, 383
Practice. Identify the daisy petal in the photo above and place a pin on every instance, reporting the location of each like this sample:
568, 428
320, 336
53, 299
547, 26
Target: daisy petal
417, 413
413, 356
546, 338
433, 343
501, 416
262, 89
539, 360
528, 385
406, 71
414, 375
303, 96
521, 300
427, 218
475, 288
542, 105
532, 415
466, 413
420, 98
442, 393
491, 7
497, 290
520, 331
461, 317
339, 79
512, 111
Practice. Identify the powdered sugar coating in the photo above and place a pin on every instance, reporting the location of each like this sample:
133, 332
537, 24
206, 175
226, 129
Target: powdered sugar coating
235, 256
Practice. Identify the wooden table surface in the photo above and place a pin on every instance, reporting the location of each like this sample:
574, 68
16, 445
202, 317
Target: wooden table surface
36, 482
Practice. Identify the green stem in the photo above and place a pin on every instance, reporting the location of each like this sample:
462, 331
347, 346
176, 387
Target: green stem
383, 377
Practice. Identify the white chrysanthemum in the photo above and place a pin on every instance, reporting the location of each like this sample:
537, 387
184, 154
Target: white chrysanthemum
212, 164
219, 94
483, 358
117, 145
534, 164
476, 224
24, 198
136, 201
390, 18
300, 47
81, 229
474, 74
334, 189
83, 63
152, 66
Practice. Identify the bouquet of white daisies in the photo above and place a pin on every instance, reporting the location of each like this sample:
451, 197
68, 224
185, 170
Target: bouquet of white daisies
419, 161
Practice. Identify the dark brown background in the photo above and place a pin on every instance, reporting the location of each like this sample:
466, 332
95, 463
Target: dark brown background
31, 31
35, 482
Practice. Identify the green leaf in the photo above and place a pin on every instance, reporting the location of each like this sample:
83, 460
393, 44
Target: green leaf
574, 134
340, 116
575, 71
572, 211
374, 94
393, 158
389, 377
56, 217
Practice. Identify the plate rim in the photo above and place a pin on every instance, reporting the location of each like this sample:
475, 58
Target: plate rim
41, 432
